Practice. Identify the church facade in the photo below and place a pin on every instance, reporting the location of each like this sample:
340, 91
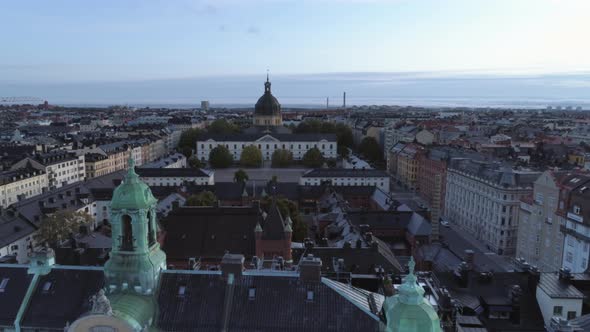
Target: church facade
269, 135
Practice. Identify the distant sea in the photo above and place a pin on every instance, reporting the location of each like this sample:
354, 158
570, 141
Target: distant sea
315, 103
429, 89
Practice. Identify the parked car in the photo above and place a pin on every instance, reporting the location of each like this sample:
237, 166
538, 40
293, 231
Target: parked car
445, 223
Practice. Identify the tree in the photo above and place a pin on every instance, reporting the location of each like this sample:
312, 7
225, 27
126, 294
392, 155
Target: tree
194, 162
370, 149
220, 157
188, 140
204, 198
222, 126
251, 156
289, 209
241, 176
282, 158
343, 133
57, 226
313, 158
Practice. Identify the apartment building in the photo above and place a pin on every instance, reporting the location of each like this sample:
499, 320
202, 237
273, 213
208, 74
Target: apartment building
574, 220
62, 167
540, 241
21, 184
483, 199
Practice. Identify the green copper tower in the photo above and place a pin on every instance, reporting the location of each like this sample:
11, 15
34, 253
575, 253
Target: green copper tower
136, 261
409, 311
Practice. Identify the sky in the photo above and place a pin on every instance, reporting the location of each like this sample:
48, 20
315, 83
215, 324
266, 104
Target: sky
72, 43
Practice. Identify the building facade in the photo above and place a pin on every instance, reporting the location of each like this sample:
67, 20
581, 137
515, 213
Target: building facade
176, 176
540, 241
21, 184
483, 199
298, 144
346, 177
574, 220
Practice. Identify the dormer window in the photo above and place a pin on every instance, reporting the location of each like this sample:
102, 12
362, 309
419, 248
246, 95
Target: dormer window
577, 209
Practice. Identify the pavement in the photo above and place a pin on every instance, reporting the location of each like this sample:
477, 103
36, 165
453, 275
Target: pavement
485, 260
261, 174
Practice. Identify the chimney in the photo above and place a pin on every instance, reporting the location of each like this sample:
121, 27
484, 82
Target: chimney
565, 275
534, 278
514, 295
469, 259
310, 269
232, 263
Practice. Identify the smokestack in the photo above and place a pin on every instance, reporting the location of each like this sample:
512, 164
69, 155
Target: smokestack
344, 100
327, 102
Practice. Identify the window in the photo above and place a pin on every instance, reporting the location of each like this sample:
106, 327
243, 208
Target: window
569, 257
557, 310
309, 296
577, 209
571, 315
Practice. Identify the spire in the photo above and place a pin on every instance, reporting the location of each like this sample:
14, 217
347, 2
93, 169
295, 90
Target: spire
410, 291
131, 174
267, 83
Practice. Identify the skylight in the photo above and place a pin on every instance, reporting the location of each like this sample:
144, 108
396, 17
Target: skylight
47, 286
181, 290
3, 284
251, 293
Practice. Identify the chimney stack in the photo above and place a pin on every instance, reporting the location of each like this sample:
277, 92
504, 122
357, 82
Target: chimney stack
469, 259
232, 263
310, 269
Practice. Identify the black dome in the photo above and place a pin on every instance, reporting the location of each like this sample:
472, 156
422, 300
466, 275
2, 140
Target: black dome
267, 105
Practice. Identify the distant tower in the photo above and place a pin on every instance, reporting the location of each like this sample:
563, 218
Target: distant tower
327, 102
267, 111
205, 105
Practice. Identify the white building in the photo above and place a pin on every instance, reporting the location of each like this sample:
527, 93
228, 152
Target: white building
175, 176
21, 184
484, 200
346, 177
575, 223
558, 298
176, 160
62, 167
298, 144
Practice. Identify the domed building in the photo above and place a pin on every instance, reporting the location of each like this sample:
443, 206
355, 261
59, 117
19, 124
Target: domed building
410, 311
267, 111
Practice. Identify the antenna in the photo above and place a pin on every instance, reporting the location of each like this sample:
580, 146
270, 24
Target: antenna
267, 71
